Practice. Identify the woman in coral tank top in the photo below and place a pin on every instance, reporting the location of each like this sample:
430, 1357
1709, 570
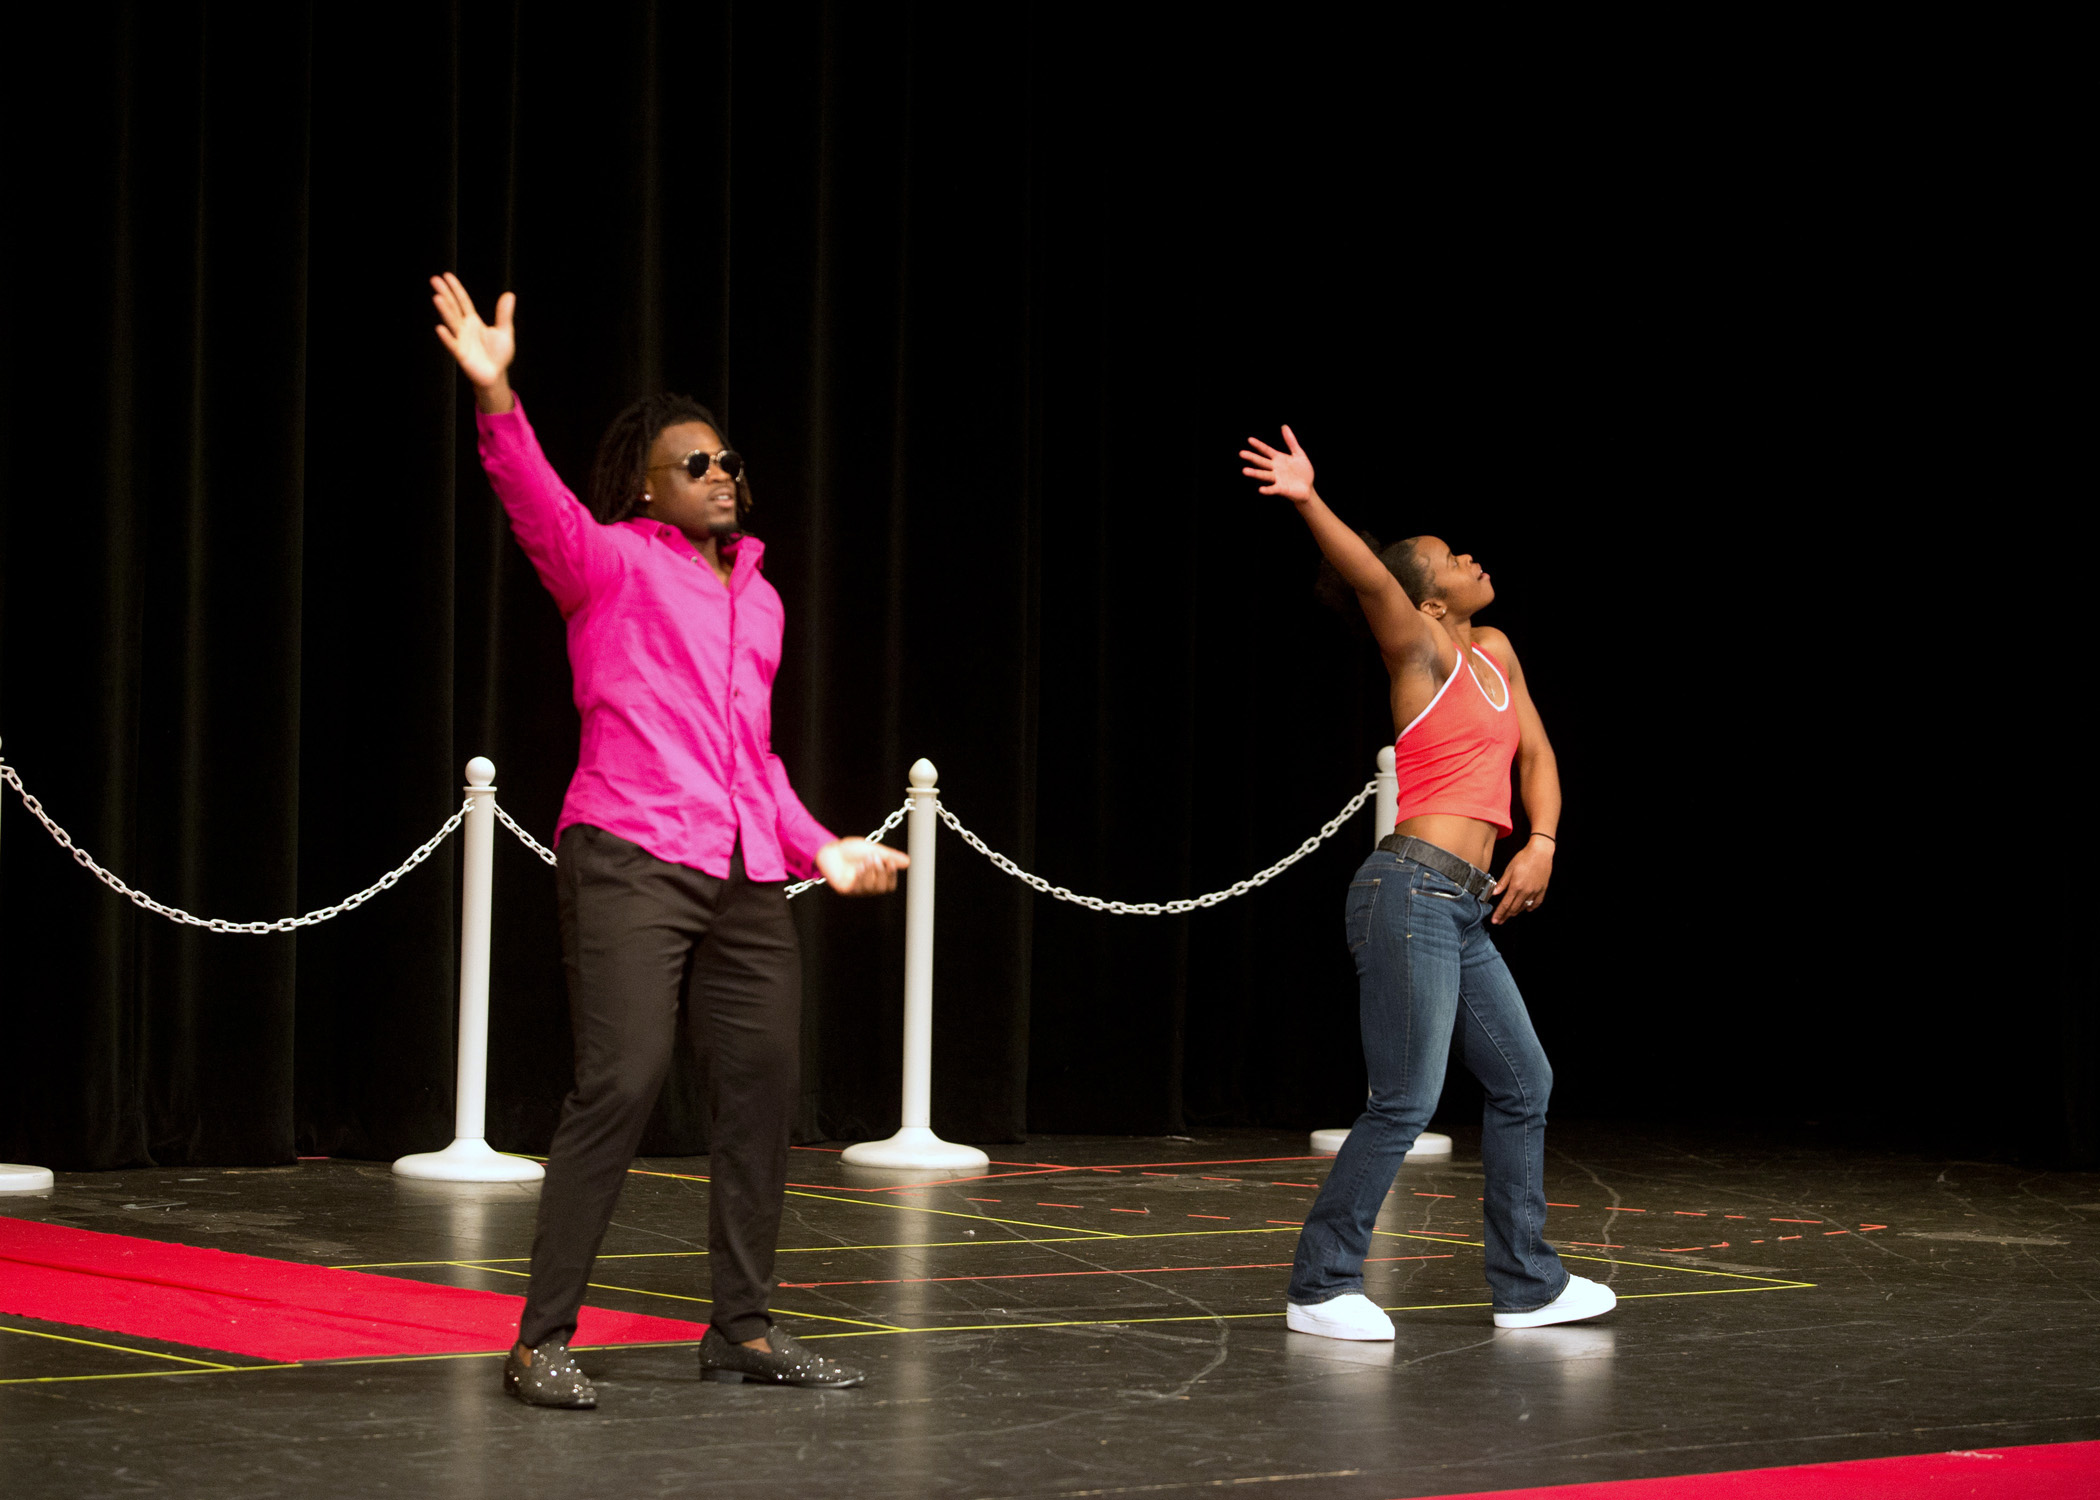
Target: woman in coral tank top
1418, 916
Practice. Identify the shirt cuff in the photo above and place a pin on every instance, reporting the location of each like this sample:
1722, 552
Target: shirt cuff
502, 421
799, 846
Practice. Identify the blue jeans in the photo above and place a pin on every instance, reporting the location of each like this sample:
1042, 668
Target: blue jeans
1426, 969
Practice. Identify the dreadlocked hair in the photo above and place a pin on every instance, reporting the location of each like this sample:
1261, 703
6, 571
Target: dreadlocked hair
619, 473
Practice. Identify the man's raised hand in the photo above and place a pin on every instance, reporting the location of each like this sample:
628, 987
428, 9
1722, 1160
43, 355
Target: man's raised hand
1287, 474
860, 867
484, 352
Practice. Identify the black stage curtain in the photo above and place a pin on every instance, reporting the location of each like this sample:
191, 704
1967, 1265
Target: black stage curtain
990, 299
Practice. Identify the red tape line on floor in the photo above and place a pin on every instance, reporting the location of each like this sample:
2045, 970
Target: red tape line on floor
2046, 1471
271, 1309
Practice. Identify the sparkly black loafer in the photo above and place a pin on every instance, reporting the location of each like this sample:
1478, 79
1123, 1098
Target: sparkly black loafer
788, 1364
547, 1376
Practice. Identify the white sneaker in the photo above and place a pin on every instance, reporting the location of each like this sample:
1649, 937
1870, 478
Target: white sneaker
1582, 1298
1350, 1316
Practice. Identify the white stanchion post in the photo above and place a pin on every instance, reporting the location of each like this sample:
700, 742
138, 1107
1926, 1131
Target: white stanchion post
1385, 812
915, 1145
470, 1158
15, 1178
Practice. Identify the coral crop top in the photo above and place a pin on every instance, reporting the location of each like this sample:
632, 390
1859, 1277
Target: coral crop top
1455, 756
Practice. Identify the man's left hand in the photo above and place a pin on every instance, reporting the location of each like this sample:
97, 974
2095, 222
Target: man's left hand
1523, 884
860, 867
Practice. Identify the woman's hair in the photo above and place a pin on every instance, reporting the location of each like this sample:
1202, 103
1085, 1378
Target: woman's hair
1400, 559
1404, 562
618, 474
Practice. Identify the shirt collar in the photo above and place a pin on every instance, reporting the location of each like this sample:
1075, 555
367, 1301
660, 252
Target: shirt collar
750, 551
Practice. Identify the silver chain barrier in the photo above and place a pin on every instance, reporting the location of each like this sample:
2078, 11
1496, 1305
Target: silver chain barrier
887, 824
529, 841
792, 891
451, 824
1163, 908
216, 924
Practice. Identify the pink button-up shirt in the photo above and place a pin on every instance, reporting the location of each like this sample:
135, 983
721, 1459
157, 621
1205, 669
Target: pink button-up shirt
674, 676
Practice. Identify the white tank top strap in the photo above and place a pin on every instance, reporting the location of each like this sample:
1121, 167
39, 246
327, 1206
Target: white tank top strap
1464, 658
1503, 706
1457, 662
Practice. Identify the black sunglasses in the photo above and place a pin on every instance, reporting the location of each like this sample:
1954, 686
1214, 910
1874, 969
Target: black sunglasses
699, 461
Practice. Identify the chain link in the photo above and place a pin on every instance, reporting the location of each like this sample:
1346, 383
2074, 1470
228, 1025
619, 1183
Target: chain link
529, 841
1163, 908
887, 824
216, 924
792, 891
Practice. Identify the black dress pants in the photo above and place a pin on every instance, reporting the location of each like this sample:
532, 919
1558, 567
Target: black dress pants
641, 936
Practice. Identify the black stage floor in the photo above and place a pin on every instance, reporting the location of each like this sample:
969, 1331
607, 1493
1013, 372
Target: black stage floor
1104, 1319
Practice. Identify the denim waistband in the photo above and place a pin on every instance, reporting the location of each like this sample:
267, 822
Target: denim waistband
1468, 877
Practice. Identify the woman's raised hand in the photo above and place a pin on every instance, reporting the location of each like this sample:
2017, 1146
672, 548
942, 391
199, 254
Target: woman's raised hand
1287, 474
483, 352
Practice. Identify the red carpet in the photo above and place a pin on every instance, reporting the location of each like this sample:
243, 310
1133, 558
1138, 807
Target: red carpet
2049, 1471
271, 1309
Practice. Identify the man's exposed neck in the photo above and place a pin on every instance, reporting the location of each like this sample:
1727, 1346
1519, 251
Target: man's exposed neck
708, 546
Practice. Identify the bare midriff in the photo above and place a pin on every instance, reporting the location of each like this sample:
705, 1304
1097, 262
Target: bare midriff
1470, 839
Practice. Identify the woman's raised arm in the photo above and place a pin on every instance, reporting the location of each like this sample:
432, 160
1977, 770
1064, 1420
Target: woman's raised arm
1398, 626
483, 352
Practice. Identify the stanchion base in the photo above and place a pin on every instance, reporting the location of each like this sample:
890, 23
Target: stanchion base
468, 1160
916, 1146
16, 1179
1430, 1143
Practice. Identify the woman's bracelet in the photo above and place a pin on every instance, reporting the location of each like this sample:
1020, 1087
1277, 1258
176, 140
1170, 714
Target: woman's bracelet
1549, 838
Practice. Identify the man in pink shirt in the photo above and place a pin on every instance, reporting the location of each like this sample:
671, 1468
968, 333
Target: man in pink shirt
676, 839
